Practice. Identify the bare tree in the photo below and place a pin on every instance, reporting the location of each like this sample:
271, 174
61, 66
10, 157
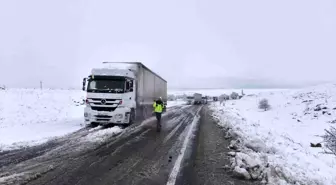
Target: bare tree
330, 139
263, 104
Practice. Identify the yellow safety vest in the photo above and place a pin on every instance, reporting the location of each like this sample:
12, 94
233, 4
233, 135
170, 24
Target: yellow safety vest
158, 107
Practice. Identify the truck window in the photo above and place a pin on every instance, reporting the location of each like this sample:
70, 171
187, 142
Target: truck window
106, 85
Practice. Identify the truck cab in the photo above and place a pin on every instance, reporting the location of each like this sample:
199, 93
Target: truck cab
110, 97
190, 100
122, 93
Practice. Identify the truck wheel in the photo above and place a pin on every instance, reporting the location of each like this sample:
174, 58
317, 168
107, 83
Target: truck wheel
132, 117
94, 124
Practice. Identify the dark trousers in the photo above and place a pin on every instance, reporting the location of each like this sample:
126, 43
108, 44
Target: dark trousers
158, 116
158, 123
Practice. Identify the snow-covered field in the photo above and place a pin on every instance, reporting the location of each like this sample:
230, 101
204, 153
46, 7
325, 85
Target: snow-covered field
218, 92
278, 141
30, 117
175, 103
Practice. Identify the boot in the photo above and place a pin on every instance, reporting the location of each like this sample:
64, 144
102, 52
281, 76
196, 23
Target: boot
158, 127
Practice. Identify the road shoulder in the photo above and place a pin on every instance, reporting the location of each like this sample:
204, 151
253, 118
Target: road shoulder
210, 155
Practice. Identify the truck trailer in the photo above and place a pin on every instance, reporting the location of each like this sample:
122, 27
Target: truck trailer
122, 93
197, 98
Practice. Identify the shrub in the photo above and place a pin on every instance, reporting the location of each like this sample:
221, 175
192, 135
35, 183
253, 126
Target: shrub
263, 104
330, 139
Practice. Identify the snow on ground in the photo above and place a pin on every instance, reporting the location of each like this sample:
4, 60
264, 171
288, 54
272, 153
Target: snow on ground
29, 117
175, 103
102, 134
280, 138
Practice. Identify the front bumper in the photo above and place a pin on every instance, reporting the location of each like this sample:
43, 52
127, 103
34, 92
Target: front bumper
118, 116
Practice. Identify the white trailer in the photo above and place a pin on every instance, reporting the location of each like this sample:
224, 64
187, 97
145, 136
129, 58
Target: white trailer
197, 98
122, 93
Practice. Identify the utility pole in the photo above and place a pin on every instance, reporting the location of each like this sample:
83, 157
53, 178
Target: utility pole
41, 85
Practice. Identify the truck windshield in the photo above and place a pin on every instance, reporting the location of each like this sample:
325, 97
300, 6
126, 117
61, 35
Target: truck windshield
106, 85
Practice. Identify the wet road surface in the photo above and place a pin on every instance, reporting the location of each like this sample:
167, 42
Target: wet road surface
194, 148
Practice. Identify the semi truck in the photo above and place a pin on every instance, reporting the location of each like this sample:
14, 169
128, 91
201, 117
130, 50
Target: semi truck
121, 93
205, 99
190, 100
197, 98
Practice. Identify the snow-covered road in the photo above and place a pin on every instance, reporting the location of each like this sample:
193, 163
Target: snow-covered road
91, 147
135, 155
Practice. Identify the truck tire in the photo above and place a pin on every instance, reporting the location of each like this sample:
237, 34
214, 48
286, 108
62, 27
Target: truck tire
132, 117
94, 124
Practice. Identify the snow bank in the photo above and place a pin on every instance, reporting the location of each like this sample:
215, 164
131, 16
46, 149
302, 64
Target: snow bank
280, 138
29, 117
102, 135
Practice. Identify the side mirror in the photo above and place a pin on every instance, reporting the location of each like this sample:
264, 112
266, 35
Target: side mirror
84, 83
131, 86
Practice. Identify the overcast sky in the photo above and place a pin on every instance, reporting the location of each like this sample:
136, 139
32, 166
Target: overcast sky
191, 43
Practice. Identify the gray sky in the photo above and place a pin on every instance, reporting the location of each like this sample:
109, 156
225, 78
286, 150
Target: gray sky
191, 43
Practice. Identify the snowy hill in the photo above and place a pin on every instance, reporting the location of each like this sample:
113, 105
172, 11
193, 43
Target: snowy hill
280, 138
29, 117
218, 92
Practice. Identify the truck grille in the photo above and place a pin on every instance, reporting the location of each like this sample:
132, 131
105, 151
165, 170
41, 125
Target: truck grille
109, 109
99, 99
101, 104
103, 116
104, 104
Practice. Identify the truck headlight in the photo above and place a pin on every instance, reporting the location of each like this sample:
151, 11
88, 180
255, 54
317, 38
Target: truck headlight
119, 116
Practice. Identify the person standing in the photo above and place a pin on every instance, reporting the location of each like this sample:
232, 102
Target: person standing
158, 108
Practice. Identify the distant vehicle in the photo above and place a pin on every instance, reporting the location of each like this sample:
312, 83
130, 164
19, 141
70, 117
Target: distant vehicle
190, 100
224, 97
215, 98
121, 93
205, 100
197, 98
